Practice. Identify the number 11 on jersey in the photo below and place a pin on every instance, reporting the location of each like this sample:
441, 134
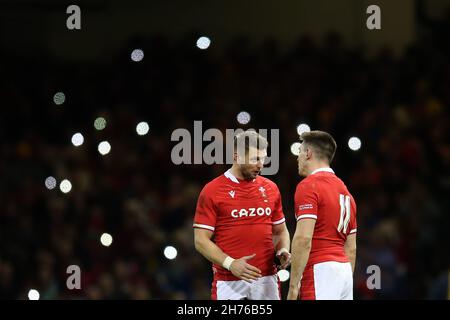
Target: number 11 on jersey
344, 217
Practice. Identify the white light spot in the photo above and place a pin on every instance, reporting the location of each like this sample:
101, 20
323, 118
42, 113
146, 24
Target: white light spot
65, 186
295, 148
50, 183
137, 55
77, 139
354, 143
303, 127
283, 275
33, 294
104, 147
203, 43
100, 123
106, 239
170, 252
243, 117
142, 128
59, 98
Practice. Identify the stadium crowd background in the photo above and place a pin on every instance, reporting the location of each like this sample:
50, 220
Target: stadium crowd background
396, 105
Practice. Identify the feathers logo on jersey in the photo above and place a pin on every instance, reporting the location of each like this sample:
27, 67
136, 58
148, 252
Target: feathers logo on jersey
263, 191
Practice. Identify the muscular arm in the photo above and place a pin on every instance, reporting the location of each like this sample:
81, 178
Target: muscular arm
281, 237
301, 247
207, 248
282, 242
350, 249
239, 267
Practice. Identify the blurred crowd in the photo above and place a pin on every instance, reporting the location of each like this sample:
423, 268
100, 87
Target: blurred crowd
396, 105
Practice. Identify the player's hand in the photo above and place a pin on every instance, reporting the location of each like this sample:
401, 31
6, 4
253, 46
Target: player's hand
285, 259
242, 270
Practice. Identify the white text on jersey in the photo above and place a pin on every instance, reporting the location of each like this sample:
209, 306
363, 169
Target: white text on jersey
251, 212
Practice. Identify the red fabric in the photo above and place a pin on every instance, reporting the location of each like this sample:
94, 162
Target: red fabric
242, 215
323, 195
307, 289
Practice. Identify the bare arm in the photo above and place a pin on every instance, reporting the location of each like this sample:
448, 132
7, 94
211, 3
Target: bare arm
239, 267
281, 237
207, 248
282, 241
301, 247
350, 249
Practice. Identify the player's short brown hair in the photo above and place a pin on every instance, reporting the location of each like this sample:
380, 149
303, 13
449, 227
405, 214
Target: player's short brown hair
322, 142
249, 139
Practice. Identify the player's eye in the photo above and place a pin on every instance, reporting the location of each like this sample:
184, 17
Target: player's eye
261, 160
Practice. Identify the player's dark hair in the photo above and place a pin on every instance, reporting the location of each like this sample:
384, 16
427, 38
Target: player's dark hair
249, 139
322, 142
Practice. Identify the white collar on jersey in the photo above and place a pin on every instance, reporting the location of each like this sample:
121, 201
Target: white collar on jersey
231, 176
323, 170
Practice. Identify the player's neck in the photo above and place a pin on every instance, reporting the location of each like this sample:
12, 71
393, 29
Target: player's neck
316, 166
236, 172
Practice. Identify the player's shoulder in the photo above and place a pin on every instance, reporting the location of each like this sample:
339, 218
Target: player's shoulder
267, 182
307, 181
213, 185
307, 185
317, 178
337, 181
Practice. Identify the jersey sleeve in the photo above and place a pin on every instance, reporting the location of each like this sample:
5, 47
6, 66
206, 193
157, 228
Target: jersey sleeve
278, 215
306, 201
353, 226
205, 213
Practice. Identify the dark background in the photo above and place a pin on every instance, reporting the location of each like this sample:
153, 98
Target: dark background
286, 63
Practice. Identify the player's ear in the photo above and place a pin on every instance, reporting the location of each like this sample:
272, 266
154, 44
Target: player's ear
308, 153
235, 157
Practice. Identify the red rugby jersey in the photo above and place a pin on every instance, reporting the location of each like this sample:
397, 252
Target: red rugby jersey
241, 214
324, 197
